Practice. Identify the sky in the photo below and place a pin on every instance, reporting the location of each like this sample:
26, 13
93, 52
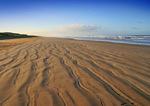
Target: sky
60, 18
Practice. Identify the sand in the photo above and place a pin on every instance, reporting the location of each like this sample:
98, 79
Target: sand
66, 72
8, 43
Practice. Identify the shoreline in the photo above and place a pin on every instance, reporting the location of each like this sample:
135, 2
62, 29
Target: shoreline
119, 41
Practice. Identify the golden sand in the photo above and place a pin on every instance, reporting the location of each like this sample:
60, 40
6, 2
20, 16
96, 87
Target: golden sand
65, 72
6, 44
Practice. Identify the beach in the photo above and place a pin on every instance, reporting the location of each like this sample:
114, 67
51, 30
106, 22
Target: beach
67, 72
8, 43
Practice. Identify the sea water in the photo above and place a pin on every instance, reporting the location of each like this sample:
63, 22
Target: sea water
132, 39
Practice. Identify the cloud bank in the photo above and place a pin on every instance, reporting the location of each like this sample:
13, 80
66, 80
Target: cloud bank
79, 28
71, 30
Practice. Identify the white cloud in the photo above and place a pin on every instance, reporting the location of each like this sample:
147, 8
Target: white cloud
79, 28
71, 30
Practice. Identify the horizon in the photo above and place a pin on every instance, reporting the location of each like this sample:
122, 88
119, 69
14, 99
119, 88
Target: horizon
75, 18
74, 36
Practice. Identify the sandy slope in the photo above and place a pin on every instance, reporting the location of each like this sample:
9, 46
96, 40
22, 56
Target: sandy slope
69, 72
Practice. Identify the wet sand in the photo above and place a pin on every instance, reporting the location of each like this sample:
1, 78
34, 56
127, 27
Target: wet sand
66, 72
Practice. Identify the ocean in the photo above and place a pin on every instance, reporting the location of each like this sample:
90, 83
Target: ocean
132, 39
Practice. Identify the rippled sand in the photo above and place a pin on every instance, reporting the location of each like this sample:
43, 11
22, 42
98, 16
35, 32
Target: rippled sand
8, 43
65, 72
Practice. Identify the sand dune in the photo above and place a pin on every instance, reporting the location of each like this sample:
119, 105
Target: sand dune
65, 72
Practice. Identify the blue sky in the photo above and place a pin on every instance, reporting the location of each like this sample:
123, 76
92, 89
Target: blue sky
75, 17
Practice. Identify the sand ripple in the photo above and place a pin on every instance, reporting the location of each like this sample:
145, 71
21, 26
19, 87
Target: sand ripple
68, 72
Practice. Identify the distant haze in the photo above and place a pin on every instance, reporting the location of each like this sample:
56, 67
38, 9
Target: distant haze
75, 17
